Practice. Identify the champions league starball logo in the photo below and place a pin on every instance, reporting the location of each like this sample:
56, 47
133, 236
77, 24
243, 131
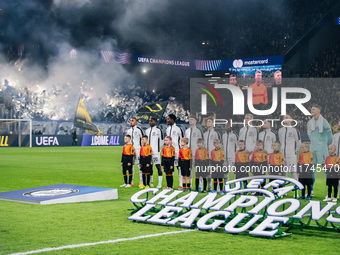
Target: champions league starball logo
238, 210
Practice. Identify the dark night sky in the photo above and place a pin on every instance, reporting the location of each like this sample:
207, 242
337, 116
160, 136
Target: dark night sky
169, 28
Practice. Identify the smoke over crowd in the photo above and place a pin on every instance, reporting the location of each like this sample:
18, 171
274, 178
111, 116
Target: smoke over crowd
50, 57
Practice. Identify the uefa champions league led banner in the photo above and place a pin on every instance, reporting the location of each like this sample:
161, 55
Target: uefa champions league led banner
238, 211
235, 65
269, 63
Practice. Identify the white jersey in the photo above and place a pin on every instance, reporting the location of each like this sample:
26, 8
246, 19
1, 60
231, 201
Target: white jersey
156, 140
193, 134
336, 142
209, 137
290, 140
136, 134
249, 136
176, 134
229, 141
267, 136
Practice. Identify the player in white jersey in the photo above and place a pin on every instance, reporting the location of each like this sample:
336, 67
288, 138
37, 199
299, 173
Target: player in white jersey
193, 133
336, 142
290, 140
229, 141
176, 134
267, 136
136, 134
156, 142
209, 136
249, 135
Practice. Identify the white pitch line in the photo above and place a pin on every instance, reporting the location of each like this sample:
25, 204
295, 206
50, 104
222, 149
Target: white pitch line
102, 242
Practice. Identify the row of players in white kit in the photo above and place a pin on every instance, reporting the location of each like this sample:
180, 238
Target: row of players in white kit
289, 138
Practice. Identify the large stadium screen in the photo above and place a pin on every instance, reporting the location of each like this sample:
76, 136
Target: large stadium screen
260, 78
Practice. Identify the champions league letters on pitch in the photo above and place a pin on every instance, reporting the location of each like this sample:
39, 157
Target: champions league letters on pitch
211, 213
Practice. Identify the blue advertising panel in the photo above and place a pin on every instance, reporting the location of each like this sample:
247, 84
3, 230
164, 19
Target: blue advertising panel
54, 140
13, 140
105, 140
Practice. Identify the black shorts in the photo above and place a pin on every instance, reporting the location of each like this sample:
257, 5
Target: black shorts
240, 175
256, 169
217, 170
306, 181
146, 169
201, 168
185, 165
241, 170
126, 167
332, 180
167, 163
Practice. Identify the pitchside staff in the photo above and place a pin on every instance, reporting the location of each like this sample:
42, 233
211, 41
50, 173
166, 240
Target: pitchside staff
209, 136
290, 140
156, 142
229, 141
136, 134
176, 135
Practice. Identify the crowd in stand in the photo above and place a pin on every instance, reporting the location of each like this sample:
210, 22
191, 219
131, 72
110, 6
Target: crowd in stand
56, 103
326, 68
327, 64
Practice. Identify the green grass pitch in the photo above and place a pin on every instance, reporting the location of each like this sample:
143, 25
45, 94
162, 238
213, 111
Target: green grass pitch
26, 227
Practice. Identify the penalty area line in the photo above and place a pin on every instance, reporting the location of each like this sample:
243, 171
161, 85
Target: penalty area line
102, 242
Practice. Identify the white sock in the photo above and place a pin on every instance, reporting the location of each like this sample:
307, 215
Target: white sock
209, 182
133, 173
180, 178
151, 180
160, 180
140, 175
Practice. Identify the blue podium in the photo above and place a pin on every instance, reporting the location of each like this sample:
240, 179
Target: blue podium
60, 193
